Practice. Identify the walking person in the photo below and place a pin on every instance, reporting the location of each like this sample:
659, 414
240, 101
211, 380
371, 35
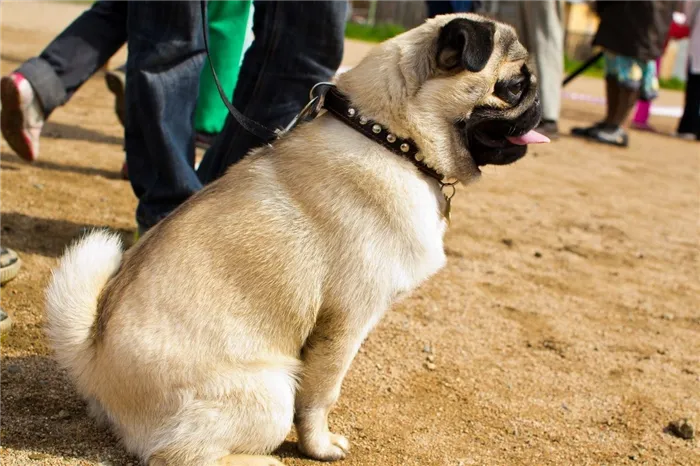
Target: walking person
641, 116
689, 125
296, 45
632, 34
540, 27
41, 84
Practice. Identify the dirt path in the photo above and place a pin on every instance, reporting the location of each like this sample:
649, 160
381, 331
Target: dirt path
565, 328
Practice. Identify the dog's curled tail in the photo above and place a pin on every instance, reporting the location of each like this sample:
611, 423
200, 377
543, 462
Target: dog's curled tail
72, 294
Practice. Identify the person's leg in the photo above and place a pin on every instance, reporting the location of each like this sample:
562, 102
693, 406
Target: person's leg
546, 41
228, 22
116, 83
441, 7
622, 93
641, 116
76, 54
31, 92
163, 68
689, 123
297, 44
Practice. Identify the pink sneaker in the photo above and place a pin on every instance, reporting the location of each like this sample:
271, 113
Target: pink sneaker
21, 116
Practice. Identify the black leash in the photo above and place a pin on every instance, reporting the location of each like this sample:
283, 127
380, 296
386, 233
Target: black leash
324, 95
590, 62
266, 135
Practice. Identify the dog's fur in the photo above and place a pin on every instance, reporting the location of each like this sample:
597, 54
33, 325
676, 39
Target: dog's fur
241, 312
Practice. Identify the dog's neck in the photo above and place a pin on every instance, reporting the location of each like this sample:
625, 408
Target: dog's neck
340, 106
381, 90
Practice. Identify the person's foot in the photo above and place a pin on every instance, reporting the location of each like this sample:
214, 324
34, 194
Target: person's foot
686, 136
21, 116
549, 128
5, 321
642, 126
9, 265
587, 131
605, 134
116, 83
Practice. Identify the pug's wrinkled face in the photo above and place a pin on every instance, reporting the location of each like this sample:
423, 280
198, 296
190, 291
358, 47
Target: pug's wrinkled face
497, 129
493, 92
460, 85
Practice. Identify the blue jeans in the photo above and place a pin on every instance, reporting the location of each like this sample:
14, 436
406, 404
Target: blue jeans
296, 45
442, 7
76, 53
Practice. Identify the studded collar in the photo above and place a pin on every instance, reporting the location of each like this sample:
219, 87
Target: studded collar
339, 105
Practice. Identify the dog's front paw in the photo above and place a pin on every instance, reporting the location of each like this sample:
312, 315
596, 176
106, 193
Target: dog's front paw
325, 447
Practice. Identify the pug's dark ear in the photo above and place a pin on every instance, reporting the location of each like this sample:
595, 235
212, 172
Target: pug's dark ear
465, 43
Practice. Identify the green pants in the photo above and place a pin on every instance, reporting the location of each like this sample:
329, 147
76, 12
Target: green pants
228, 28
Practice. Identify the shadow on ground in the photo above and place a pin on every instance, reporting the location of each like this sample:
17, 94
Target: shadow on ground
44, 414
77, 133
13, 162
45, 236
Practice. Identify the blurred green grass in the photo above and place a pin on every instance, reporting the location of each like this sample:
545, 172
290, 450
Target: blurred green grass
377, 33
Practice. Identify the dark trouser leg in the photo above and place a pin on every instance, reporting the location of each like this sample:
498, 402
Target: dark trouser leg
440, 7
76, 54
690, 122
163, 68
297, 44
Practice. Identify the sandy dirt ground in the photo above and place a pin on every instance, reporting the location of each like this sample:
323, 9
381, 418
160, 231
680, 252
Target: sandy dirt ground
564, 330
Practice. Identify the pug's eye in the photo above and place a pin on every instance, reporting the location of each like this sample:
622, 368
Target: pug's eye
510, 91
515, 89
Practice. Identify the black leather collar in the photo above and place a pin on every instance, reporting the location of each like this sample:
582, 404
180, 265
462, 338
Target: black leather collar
340, 106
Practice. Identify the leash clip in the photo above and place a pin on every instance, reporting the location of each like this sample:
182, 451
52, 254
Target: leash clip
311, 109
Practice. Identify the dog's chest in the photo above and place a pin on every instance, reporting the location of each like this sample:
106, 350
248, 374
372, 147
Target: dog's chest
405, 256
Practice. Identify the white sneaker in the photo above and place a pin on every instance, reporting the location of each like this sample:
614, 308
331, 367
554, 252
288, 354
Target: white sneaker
21, 116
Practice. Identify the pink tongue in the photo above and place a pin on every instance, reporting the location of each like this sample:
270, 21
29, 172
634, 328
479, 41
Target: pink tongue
531, 137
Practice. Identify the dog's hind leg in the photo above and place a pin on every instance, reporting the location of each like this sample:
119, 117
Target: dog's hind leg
240, 413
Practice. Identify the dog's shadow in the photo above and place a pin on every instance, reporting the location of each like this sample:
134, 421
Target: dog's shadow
46, 236
43, 414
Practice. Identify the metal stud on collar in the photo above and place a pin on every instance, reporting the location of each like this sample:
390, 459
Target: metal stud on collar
404, 147
376, 129
351, 112
391, 138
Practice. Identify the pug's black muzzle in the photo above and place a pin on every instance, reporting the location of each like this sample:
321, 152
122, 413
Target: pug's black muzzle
486, 131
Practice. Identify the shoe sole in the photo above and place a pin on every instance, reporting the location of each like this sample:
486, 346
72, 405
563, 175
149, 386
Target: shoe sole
10, 272
116, 87
12, 120
593, 138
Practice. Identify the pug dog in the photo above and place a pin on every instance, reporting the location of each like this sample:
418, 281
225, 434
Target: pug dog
239, 314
